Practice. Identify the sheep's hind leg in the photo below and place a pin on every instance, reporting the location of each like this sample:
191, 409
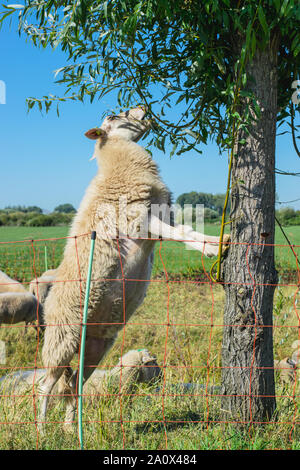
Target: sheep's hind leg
57, 354
95, 350
45, 389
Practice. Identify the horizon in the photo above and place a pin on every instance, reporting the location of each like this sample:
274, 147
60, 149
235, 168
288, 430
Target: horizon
46, 211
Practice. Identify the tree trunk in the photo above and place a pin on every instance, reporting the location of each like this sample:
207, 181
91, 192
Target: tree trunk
249, 273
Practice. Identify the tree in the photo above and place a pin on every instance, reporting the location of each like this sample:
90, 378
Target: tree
34, 209
213, 203
223, 70
66, 208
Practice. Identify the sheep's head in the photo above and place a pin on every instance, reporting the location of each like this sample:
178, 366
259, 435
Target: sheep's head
129, 125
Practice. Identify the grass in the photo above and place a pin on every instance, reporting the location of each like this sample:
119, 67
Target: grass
174, 323
26, 257
150, 419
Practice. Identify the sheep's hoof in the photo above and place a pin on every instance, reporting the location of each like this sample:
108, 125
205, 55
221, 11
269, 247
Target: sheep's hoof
226, 243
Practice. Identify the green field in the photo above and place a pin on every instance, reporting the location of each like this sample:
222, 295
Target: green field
23, 259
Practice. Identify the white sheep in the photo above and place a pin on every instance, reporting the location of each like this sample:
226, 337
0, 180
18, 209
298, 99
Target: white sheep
126, 172
40, 287
10, 285
18, 307
289, 365
287, 368
136, 366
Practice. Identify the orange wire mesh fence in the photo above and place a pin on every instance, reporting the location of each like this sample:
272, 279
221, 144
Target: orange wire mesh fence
180, 323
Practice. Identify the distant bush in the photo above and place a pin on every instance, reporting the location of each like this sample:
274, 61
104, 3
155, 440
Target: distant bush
288, 216
29, 217
53, 219
40, 221
214, 202
210, 215
62, 218
23, 209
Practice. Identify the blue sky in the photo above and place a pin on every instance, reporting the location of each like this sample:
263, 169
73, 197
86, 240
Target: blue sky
45, 158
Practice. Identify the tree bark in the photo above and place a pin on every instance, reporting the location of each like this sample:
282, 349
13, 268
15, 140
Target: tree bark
249, 273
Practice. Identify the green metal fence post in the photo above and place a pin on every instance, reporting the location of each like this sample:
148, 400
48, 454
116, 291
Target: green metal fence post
83, 336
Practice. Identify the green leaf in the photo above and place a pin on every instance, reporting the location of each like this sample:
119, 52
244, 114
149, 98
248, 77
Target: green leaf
181, 97
15, 6
174, 148
283, 7
262, 20
105, 9
191, 133
277, 5
295, 47
253, 43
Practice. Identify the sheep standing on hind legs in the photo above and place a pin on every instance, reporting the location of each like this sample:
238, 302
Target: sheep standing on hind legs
126, 172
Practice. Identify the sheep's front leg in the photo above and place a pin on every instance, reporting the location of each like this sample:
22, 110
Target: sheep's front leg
211, 242
206, 244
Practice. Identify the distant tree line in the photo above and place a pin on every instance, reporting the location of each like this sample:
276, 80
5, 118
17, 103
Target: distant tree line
33, 216
214, 203
288, 216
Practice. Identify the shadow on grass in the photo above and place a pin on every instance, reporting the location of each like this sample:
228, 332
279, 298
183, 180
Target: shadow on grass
173, 422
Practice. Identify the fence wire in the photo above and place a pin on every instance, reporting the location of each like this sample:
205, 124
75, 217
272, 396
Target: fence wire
181, 323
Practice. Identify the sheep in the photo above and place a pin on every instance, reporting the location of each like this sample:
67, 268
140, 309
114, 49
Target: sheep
40, 287
136, 366
296, 344
17, 307
287, 368
126, 173
10, 285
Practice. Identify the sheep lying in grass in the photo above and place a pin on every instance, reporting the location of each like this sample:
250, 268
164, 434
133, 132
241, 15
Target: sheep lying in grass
296, 353
126, 173
135, 367
16, 307
287, 368
289, 365
40, 287
10, 285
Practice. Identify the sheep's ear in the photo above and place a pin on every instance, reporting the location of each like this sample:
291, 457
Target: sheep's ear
95, 133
